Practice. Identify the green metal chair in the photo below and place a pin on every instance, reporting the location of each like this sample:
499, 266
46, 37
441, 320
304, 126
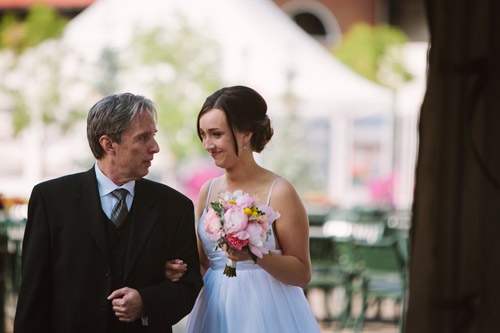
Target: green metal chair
326, 273
351, 268
383, 273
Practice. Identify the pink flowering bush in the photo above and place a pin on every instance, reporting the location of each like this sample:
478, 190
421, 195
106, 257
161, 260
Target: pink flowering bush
236, 221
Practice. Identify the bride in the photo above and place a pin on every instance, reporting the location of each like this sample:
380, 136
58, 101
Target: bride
266, 296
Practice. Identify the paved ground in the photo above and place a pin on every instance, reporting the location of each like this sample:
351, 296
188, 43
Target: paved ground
371, 327
388, 313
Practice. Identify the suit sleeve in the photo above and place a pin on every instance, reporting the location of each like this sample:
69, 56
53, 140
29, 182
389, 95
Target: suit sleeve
169, 302
34, 304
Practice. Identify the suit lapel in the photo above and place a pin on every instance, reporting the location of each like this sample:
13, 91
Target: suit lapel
88, 205
144, 217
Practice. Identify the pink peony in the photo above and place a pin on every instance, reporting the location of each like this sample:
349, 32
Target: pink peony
259, 251
236, 242
228, 206
257, 239
270, 214
235, 220
243, 234
245, 201
265, 226
212, 225
256, 234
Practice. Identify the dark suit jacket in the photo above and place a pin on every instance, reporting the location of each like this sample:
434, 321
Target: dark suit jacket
65, 263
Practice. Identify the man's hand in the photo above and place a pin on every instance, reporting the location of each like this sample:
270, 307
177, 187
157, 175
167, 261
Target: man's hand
127, 304
175, 269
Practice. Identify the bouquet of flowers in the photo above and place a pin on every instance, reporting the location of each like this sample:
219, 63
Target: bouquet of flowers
236, 221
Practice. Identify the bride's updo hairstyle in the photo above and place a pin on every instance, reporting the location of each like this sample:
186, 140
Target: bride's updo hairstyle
245, 111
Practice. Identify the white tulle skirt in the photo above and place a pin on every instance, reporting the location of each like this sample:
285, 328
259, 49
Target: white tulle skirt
253, 301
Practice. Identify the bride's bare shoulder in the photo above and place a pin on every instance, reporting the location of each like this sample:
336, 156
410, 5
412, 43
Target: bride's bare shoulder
283, 191
203, 193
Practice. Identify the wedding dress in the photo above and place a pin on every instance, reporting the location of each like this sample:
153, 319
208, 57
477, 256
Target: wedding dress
253, 301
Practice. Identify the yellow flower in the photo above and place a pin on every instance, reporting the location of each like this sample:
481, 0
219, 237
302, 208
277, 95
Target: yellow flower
255, 214
248, 211
233, 202
254, 209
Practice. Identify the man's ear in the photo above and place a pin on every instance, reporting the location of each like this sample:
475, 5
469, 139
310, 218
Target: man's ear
107, 144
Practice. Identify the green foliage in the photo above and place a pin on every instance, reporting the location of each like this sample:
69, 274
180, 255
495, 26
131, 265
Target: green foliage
20, 115
218, 207
11, 32
109, 66
190, 61
294, 158
52, 96
42, 22
176, 68
373, 52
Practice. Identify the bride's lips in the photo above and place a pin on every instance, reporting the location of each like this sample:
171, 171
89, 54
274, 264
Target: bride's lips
214, 153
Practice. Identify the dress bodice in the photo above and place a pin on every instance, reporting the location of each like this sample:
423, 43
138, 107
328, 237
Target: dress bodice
217, 257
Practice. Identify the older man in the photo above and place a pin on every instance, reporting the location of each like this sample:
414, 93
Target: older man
96, 242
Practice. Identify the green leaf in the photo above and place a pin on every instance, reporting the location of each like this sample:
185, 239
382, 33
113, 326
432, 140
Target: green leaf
218, 207
369, 49
253, 256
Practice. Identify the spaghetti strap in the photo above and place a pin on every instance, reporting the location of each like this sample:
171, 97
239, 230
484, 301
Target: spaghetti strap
271, 190
209, 191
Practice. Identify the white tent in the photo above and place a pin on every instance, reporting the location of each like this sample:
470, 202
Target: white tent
260, 45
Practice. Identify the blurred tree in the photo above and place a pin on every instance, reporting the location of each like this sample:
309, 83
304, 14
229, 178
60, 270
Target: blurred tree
293, 153
185, 67
34, 85
374, 52
43, 22
17, 35
109, 69
20, 116
294, 156
49, 86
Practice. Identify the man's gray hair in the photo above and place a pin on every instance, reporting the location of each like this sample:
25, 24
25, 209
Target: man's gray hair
113, 115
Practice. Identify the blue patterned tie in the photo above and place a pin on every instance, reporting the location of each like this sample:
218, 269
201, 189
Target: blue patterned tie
120, 210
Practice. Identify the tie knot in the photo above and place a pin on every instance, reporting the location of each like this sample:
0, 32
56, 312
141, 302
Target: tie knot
120, 193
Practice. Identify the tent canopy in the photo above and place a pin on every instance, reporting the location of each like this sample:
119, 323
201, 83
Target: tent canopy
260, 47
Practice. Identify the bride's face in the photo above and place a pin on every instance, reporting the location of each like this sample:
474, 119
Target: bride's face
217, 138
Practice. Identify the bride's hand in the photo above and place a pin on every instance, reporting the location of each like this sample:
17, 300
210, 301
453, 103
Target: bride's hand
175, 269
238, 255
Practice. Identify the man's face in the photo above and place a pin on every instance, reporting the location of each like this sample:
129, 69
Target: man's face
134, 154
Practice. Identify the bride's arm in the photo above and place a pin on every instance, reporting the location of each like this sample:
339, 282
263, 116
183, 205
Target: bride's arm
200, 206
293, 266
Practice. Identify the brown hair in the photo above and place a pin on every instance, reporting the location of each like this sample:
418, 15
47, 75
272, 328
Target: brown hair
245, 110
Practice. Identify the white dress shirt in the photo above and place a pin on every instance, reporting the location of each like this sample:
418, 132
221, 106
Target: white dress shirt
106, 186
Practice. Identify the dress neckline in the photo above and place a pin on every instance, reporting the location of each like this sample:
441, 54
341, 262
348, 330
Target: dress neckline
268, 196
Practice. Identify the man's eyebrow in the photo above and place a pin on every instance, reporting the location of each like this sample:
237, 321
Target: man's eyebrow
145, 133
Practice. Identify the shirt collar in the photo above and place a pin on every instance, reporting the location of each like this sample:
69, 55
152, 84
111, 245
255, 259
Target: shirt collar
106, 185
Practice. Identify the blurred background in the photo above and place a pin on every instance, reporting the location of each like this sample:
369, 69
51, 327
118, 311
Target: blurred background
344, 82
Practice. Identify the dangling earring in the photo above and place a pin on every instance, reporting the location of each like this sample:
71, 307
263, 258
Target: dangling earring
244, 146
